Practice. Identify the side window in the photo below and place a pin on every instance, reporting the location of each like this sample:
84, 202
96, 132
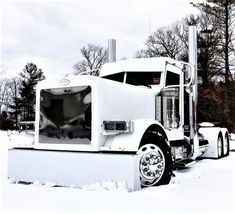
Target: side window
143, 78
172, 78
119, 77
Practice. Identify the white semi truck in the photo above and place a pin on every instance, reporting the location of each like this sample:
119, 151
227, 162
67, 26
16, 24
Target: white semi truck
133, 123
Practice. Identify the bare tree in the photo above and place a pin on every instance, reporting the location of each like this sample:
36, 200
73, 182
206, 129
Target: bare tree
9, 101
94, 57
14, 94
222, 12
170, 41
208, 49
163, 42
3, 93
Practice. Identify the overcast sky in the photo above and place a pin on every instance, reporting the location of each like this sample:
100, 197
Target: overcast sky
51, 33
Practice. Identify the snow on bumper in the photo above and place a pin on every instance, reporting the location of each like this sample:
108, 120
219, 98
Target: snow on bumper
73, 168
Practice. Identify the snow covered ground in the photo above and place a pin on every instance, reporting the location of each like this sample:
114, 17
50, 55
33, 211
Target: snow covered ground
208, 187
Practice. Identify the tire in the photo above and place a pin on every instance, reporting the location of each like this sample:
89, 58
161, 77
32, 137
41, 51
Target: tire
220, 149
155, 166
226, 145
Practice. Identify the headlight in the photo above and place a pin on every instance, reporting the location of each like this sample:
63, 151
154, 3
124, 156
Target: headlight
116, 127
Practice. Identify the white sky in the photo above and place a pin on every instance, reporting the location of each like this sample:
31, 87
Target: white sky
51, 33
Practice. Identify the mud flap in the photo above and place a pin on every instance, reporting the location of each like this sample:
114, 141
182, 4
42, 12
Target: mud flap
73, 168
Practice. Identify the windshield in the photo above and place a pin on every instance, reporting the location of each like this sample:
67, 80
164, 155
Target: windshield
65, 115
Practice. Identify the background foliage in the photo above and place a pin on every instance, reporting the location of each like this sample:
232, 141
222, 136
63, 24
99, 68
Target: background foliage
216, 65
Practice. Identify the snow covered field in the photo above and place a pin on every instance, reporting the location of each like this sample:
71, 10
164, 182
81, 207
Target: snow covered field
207, 187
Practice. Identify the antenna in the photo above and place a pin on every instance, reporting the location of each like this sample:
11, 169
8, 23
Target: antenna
150, 22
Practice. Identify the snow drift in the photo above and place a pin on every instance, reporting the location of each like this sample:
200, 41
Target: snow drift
206, 187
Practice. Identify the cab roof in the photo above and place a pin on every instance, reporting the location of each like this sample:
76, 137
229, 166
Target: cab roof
139, 65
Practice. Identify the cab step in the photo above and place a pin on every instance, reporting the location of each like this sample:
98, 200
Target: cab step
184, 163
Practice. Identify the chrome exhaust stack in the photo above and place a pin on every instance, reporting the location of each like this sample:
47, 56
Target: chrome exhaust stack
193, 96
111, 50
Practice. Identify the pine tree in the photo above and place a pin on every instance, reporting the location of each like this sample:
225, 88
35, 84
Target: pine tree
30, 76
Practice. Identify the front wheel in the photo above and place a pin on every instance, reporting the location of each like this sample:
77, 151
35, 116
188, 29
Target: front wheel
155, 164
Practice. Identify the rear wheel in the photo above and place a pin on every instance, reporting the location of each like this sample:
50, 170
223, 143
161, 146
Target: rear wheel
155, 166
220, 145
226, 145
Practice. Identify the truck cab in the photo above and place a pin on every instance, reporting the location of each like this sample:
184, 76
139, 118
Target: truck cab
137, 117
169, 80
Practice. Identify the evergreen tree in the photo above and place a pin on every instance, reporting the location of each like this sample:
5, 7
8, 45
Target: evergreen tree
30, 76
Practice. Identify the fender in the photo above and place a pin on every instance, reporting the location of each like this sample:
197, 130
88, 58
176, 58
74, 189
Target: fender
129, 142
226, 141
211, 134
224, 132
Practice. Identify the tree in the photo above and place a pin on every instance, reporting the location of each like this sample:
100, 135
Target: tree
3, 93
231, 104
210, 103
7, 114
169, 41
94, 57
208, 58
162, 42
15, 101
222, 13
215, 56
3, 118
30, 76
5, 122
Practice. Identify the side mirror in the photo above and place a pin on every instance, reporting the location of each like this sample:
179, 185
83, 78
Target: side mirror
187, 74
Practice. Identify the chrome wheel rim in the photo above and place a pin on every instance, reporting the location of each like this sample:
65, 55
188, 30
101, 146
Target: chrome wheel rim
152, 164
